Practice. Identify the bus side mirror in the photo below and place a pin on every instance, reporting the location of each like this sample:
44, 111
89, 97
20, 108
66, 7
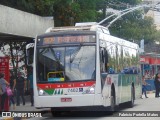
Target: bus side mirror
30, 53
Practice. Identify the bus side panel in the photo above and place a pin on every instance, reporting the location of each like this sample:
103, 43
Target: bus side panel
138, 87
111, 79
98, 100
125, 88
125, 84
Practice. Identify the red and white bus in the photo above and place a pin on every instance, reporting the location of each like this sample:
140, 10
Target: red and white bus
84, 67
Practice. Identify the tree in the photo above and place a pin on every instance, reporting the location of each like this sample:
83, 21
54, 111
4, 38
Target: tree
16, 53
133, 26
102, 5
68, 12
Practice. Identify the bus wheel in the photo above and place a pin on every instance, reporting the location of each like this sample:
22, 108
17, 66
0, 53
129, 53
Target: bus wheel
131, 103
112, 105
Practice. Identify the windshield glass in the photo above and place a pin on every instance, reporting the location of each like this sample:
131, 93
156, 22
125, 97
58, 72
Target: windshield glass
61, 64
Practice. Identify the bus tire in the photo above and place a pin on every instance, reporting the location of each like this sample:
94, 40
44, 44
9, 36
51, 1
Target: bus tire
131, 103
112, 99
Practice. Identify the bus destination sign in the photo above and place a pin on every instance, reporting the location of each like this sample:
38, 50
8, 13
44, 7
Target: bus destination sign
68, 39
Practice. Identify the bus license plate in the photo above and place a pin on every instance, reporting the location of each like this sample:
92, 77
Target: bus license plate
66, 99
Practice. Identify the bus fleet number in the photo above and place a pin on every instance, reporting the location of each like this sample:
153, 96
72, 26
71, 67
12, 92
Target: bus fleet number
73, 90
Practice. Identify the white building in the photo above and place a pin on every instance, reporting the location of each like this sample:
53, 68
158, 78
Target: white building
154, 12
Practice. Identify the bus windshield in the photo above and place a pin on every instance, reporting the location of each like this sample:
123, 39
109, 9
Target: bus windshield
62, 64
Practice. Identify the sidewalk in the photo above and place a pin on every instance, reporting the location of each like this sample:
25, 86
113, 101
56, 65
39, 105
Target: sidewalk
150, 94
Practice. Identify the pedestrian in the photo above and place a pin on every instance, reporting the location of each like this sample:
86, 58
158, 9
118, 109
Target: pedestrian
12, 86
20, 87
30, 79
3, 84
144, 87
157, 84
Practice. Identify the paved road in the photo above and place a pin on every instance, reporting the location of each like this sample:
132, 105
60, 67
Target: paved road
143, 107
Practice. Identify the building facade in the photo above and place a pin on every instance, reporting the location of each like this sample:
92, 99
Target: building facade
154, 12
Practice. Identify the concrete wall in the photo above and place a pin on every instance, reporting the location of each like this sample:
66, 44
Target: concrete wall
13, 21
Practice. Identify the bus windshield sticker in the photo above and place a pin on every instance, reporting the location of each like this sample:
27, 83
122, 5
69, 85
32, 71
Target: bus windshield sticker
55, 76
55, 79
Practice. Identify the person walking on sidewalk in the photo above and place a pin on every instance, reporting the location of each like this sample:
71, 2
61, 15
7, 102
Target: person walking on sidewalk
144, 84
3, 84
30, 79
20, 87
157, 84
12, 86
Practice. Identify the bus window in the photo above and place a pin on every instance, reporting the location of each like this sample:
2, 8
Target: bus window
102, 60
73, 63
106, 59
103, 56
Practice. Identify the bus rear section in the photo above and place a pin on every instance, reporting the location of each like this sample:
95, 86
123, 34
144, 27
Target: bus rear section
65, 71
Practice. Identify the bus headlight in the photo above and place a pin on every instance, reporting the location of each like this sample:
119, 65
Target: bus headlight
41, 92
90, 90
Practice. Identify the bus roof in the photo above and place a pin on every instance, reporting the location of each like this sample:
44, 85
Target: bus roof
90, 26
120, 41
93, 26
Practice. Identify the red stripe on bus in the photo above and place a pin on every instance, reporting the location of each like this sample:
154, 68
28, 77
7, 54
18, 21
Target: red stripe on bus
66, 85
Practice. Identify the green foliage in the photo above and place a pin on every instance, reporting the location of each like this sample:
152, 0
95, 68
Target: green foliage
68, 12
64, 12
88, 11
16, 52
134, 27
39, 7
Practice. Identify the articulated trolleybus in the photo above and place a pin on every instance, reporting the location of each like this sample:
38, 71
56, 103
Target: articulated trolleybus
84, 67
